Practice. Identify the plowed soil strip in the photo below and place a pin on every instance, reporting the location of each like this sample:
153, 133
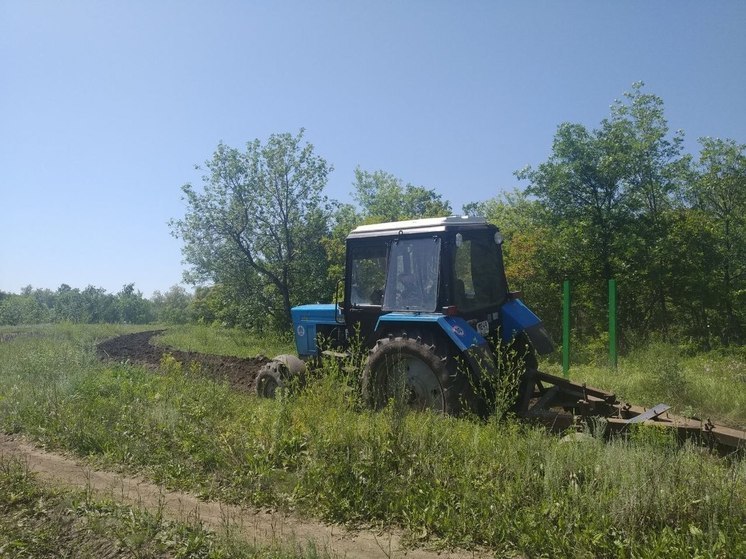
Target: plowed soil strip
239, 373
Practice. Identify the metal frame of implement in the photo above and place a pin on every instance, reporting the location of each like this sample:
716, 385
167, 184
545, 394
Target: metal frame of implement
559, 404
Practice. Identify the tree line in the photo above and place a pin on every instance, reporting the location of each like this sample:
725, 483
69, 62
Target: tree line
622, 200
93, 305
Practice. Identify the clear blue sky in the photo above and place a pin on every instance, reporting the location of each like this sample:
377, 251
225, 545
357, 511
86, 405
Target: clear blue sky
105, 107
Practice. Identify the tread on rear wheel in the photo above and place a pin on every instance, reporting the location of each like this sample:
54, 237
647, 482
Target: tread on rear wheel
407, 371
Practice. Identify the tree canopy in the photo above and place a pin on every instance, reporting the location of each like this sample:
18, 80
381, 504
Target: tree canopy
383, 197
256, 224
624, 201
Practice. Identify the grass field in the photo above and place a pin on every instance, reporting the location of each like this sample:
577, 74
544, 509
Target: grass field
498, 484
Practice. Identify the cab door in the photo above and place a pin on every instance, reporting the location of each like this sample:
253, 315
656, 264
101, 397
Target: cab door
364, 287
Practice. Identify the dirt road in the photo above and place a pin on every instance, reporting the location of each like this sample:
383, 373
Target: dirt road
261, 527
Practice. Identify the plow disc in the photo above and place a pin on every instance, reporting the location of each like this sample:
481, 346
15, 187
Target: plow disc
559, 404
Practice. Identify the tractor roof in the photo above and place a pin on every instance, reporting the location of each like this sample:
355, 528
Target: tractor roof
429, 225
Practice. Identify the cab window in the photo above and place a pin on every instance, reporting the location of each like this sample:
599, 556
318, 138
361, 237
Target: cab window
412, 275
368, 275
478, 276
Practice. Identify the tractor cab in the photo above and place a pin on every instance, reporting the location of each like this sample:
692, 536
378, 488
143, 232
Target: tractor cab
450, 266
446, 270
421, 271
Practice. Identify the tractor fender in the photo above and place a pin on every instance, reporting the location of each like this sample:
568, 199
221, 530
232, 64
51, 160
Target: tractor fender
456, 328
515, 317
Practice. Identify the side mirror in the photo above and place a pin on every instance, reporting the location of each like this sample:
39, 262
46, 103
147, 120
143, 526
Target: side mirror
339, 303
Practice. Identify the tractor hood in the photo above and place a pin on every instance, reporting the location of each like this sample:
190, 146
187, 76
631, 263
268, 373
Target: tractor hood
305, 320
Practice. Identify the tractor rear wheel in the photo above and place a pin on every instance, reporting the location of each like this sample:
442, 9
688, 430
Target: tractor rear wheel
407, 371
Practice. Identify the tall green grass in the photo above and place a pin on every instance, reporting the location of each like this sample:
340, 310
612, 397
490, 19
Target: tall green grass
500, 484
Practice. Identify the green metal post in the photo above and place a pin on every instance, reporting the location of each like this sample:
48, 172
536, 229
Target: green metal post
612, 324
566, 328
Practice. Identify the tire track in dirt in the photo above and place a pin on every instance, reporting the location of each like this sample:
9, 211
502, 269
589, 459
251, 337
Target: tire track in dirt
260, 527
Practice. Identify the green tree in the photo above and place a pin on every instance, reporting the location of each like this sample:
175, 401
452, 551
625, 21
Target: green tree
174, 306
226, 306
99, 306
383, 197
256, 225
655, 172
133, 307
69, 305
22, 309
344, 220
531, 252
583, 190
609, 194
689, 247
719, 191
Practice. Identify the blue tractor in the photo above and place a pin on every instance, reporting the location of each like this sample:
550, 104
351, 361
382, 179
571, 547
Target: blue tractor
429, 299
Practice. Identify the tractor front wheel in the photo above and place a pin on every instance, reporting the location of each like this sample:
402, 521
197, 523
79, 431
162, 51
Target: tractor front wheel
268, 381
284, 371
407, 371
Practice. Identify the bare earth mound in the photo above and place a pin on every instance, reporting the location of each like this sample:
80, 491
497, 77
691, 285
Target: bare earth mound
240, 373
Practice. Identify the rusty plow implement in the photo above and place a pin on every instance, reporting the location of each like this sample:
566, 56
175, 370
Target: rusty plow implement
560, 404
